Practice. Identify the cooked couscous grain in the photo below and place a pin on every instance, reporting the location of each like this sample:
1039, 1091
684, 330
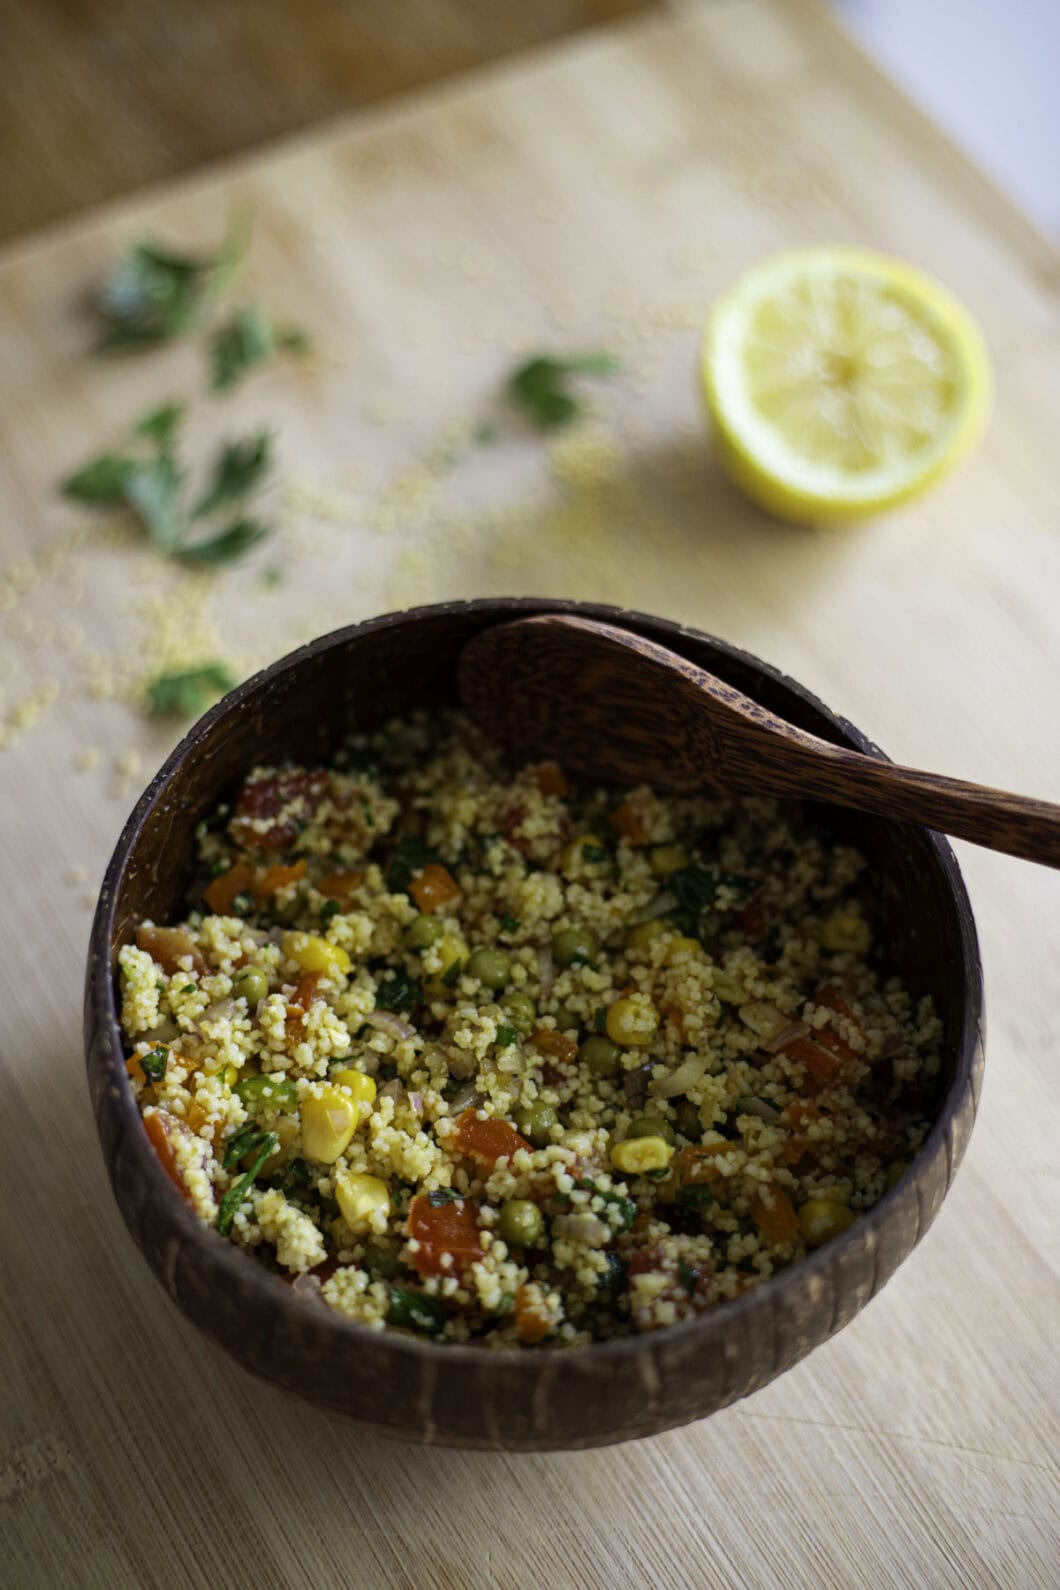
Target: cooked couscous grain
501, 1058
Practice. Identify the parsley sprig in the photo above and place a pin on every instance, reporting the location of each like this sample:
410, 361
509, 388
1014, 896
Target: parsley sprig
540, 388
246, 1141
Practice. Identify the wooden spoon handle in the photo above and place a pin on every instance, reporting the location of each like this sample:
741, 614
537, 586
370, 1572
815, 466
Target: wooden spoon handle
1016, 824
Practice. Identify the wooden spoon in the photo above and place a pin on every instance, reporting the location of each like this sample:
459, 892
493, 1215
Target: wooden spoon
611, 705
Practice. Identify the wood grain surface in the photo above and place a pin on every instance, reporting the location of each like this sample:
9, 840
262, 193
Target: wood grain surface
598, 194
103, 96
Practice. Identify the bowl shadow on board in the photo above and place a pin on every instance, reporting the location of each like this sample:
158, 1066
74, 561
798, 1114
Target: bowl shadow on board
705, 552
457, 1395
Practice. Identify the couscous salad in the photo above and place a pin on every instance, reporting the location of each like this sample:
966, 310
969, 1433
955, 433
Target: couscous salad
503, 1058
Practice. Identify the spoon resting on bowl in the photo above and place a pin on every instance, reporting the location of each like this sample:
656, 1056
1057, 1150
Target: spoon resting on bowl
612, 705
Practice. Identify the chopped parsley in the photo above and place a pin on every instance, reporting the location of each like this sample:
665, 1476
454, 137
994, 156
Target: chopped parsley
188, 692
416, 1311
506, 1036
245, 1142
509, 923
155, 293
410, 854
451, 973
540, 387
329, 909
239, 470
153, 1065
399, 991
442, 1195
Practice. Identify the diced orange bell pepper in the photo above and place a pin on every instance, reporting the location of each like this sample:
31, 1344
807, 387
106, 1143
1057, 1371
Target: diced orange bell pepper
774, 1214
169, 946
273, 879
626, 821
487, 1141
549, 778
547, 1041
433, 887
532, 1322
159, 1124
822, 1065
444, 1228
220, 894
341, 886
698, 1163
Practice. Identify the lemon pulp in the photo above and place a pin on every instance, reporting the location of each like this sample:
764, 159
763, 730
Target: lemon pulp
841, 381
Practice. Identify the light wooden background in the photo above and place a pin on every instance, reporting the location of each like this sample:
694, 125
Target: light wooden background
598, 193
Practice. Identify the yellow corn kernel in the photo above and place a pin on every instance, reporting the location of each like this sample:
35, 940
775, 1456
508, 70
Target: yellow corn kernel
632, 1021
680, 948
668, 858
640, 1154
640, 939
844, 931
362, 1087
329, 1120
314, 954
584, 857
363, 1201
821, 1219
440, 959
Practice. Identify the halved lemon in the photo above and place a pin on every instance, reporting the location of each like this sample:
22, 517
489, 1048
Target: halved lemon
841, 382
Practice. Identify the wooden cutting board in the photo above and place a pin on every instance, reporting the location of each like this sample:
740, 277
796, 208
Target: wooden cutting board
598, 194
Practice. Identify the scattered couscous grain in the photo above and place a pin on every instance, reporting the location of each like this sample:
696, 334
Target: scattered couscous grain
505, 1059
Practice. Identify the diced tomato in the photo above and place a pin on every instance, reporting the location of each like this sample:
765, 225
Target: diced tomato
433, 887
159, 1125
220, 895
549, 778
487, 1141
169, 946
273, 809
822, 1065
774, 1214
532, 1319
559, 1044
444, 1228
626, 821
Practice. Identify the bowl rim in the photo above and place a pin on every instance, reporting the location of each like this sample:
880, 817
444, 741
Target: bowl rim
227, 1260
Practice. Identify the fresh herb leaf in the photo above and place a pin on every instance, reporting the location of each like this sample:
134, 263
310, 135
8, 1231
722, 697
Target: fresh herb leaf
599, 1018
227, 545
189, 692
152, 491
240, 469
624, 1207
161, 425
689, 1276
540, 386
266, 1143
506, 1036
101, 482
277, 1091
244, 340
451, 973
153, 1065
443, 1195
509, 923
155, 294
292, 339
329, 909
594, 853
399, 991
416, 1311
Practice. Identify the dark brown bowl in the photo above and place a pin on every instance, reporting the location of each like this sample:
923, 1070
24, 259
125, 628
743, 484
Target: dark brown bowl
466, 1396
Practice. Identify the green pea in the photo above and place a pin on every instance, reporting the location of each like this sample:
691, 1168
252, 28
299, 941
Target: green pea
521, 1223
603, 1057
425, 931
566, 1020
571, 946
651, 1126
491, 967
250, 984
535, 1121
689, 1123
280, 1092
520, 1010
